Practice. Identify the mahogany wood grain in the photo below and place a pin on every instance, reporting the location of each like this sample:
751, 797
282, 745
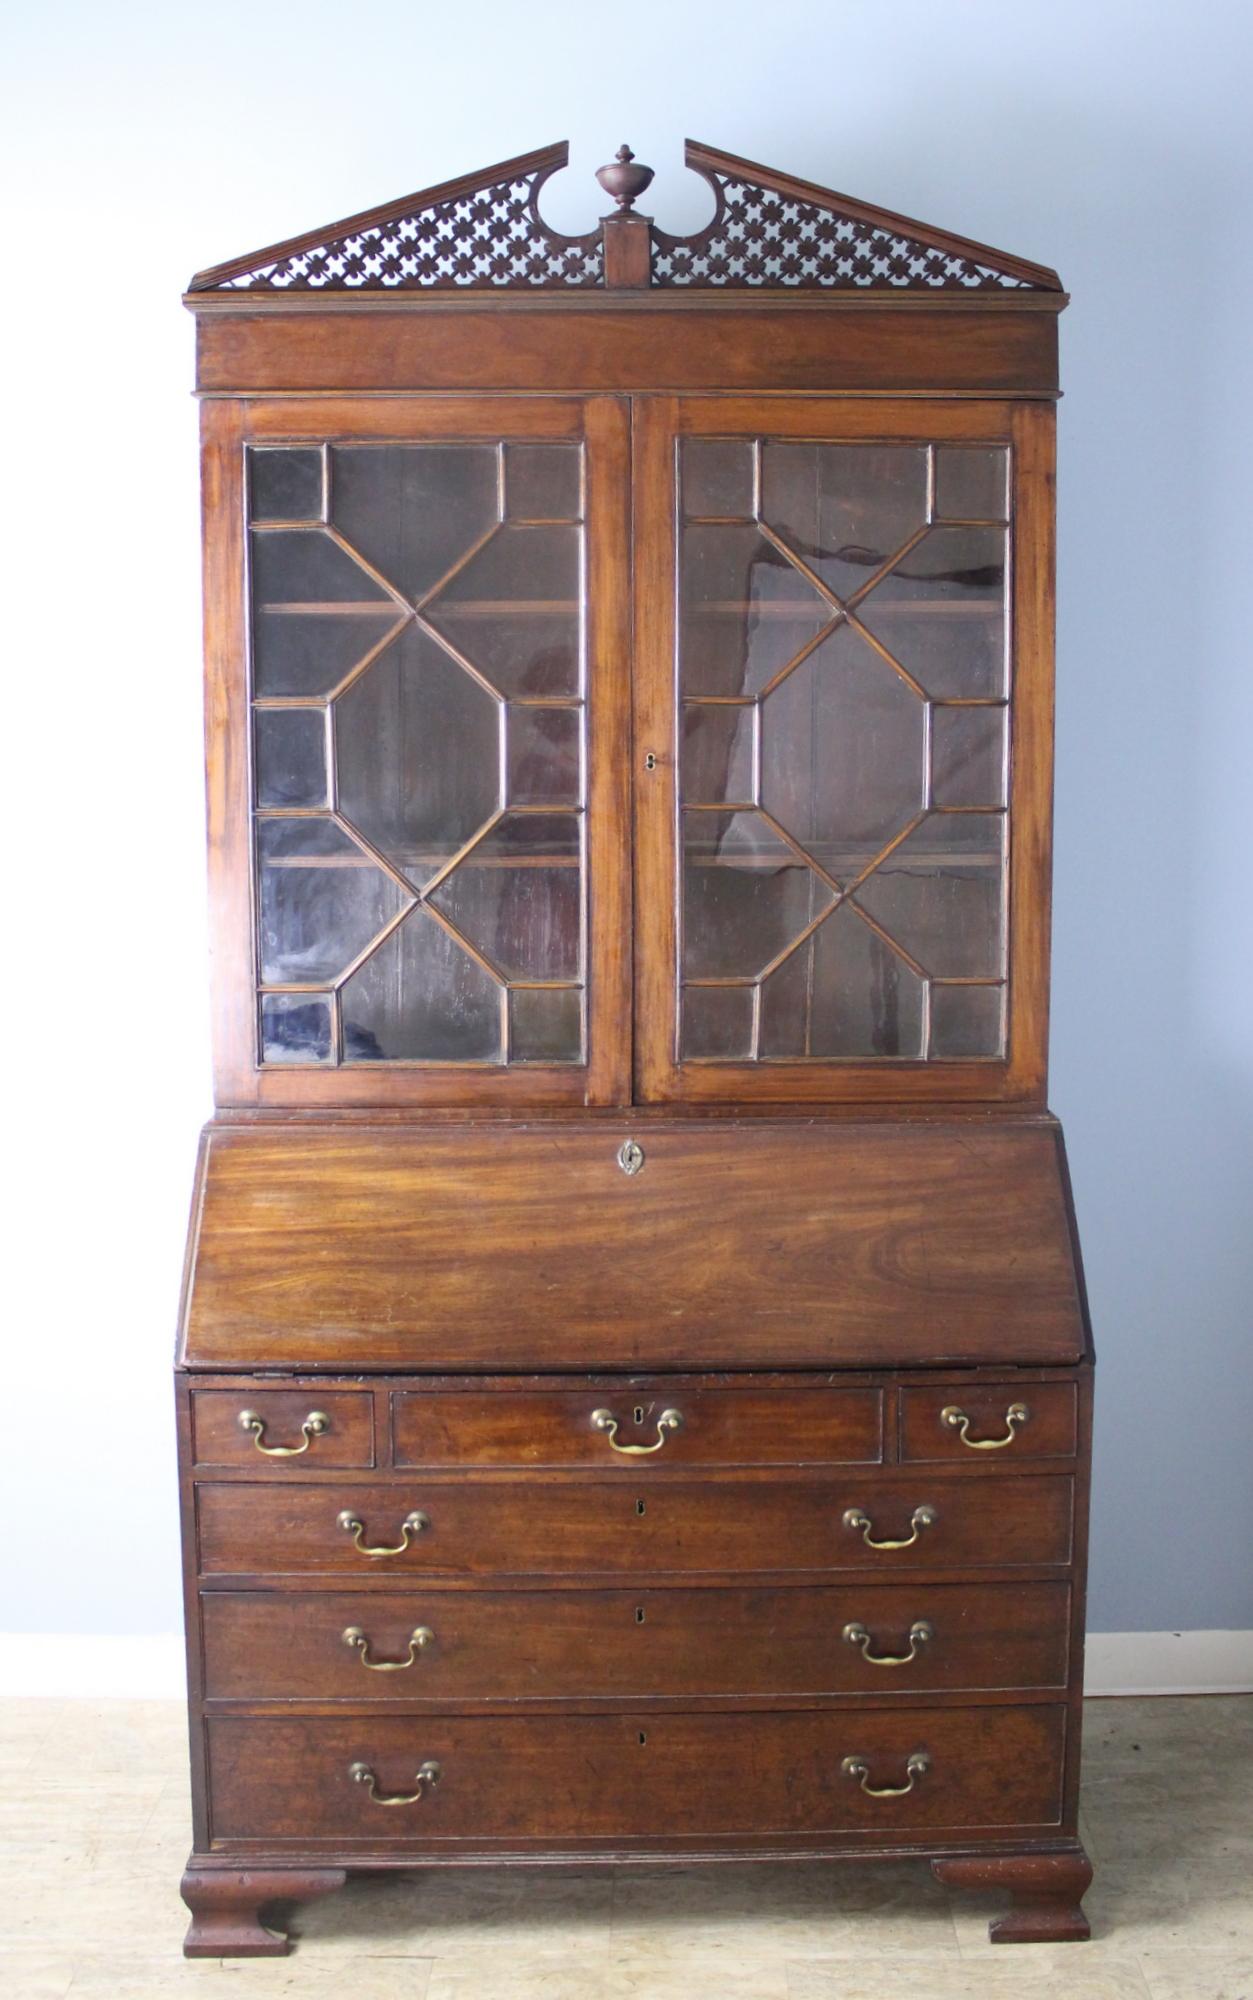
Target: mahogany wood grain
738, 1427
640, 1527
219, 1439
1050, 1430
226, 1906
623, 349
547, 1646
754, 1246
637, 1775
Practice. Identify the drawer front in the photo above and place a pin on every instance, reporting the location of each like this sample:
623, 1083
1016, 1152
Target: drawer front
471, 1645
996, 1425
512, 1528
630, 1426
635, 1776
282, 1430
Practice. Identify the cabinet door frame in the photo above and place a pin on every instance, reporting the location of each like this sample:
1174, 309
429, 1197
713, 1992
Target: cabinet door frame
1027, 428
603, 424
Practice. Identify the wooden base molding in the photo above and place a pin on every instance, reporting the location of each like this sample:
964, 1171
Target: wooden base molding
226, 1905
1047, 1891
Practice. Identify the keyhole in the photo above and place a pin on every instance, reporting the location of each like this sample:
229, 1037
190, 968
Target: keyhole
643, 1738
639, 1413
650, 761
639, 1614
639, 1506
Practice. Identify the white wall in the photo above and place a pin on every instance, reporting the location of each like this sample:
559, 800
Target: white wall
1111, 140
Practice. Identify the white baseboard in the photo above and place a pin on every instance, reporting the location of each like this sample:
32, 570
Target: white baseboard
101, 1667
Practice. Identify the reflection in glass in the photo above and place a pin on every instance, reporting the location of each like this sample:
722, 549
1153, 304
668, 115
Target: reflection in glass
421, 998
971, 483
718, 1022
295, 1028
513, 611
843, 752
746, 895
516, 896
940, 895
285, 484
321, 901
968, 756
746, 610
941, 612
717, 763
291, 756
545, 1024
417, 750
844, 507
967, 1021
413, 510
544, 760
543, 482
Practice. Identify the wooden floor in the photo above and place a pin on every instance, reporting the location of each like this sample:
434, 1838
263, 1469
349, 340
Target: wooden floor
93, 1822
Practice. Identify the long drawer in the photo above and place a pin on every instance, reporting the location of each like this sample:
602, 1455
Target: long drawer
516, 1528
473, 1645
633, 1776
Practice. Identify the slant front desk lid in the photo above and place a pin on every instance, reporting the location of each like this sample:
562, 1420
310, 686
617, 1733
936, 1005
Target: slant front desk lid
554, 1248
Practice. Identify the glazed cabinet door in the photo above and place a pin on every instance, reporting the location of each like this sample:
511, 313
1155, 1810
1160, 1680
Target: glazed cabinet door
843, 672
418, 620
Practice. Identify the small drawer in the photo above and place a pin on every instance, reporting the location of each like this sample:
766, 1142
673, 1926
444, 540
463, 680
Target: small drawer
433, 1780
631, 1425
264, 1429
454, 1646
416, 1528
995, 1424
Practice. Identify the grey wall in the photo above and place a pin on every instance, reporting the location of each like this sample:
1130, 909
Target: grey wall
143, 141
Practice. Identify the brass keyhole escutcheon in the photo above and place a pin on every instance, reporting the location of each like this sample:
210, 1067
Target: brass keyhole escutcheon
639, 1614
650, 760
638, 1413
630, 1156
643, 1738
639, 1506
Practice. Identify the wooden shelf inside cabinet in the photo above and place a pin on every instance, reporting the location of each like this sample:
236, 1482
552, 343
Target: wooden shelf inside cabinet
631, 1200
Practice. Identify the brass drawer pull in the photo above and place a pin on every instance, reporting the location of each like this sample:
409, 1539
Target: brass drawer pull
354, 1637
605, 1420
917, 1767
412, 1525
957, 1420
922, 1517
424, 1777
313, 1426
920, 1634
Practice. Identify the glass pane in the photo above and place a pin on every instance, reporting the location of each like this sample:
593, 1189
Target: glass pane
940, 895
321, 901
967, 1021
844, 507
414, 510
417, 754
295, 1028
844, 993
718, 1021
941, 612
746, 612
971, 483
717, 755
543, 482
968, 756
316, 613
545, 756
291, 756
718, 477
843, 753
746, 896
517, 896
514, 609
285, 485
545, 1024
421, 998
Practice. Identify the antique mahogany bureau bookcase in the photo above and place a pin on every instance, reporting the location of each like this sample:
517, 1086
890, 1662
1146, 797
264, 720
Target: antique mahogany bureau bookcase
634, 1378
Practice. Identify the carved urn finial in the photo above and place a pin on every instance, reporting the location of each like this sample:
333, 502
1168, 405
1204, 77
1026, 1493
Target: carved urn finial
625, 182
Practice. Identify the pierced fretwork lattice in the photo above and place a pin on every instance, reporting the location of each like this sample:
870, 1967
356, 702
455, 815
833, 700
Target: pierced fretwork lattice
760, 237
